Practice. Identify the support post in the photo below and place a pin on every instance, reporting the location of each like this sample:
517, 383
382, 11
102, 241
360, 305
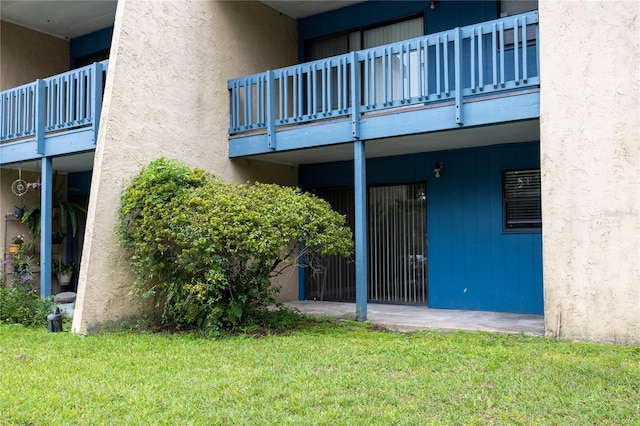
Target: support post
39, 108
355, 97
271, 112
46, 206
360, 190
96, 98
458, 76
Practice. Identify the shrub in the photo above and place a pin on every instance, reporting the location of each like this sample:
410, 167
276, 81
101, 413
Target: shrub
19, 302
206, 249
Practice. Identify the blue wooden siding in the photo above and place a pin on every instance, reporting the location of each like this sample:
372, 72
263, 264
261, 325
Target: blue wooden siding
446, 15
89, 44
472, 263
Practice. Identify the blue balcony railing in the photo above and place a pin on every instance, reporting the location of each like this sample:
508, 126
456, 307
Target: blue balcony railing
55, 104
442, 68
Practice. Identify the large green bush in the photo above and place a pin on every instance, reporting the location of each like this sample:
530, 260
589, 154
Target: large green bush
206, 250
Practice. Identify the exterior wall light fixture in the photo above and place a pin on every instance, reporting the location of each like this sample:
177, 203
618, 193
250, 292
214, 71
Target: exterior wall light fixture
438, 169
432, 5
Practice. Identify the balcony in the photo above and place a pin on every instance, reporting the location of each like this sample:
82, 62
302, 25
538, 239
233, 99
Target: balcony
54, 116
483, 74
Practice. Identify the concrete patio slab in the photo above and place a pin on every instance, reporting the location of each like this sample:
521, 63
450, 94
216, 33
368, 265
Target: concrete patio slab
406, 318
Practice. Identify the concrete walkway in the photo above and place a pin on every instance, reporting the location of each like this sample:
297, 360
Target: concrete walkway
413, 318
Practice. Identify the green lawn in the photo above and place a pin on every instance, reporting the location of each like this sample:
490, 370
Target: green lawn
327, 373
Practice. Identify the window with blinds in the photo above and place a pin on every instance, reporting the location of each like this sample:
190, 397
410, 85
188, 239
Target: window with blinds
521, 200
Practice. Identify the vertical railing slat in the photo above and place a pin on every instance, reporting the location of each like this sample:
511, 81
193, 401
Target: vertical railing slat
480, 61
516, 55
472, 45
426, 70
524, 49
458, 74
446, 65
40, 102
438, 92
501, 29
494, 55
420, 72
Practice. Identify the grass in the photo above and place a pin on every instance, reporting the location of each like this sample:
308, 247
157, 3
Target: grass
326, 373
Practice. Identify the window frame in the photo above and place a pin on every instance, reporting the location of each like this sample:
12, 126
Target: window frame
526, 227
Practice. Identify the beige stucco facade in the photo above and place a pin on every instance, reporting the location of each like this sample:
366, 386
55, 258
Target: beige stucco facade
26, 55
166, 95
590, 161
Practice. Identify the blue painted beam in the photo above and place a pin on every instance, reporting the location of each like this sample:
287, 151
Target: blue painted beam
70, 142
46, 226
477, 112
360, 189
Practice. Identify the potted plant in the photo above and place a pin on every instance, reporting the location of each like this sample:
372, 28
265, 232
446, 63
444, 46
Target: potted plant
19, 210
16, 244
64, 272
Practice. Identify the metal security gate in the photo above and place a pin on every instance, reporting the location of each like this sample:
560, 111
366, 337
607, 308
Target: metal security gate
397, 248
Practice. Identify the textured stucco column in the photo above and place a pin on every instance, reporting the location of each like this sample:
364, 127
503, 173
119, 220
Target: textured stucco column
166, 95
590, 161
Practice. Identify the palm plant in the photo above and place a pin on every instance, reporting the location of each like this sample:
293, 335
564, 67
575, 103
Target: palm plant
68, 209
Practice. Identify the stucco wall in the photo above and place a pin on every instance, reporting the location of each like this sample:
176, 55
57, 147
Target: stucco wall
590, 160
166, 94
26, 55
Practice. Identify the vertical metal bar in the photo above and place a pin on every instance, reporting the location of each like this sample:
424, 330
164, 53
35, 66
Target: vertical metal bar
360, 195
271, 112
46, 205
458, 76
367, 80
39, 116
